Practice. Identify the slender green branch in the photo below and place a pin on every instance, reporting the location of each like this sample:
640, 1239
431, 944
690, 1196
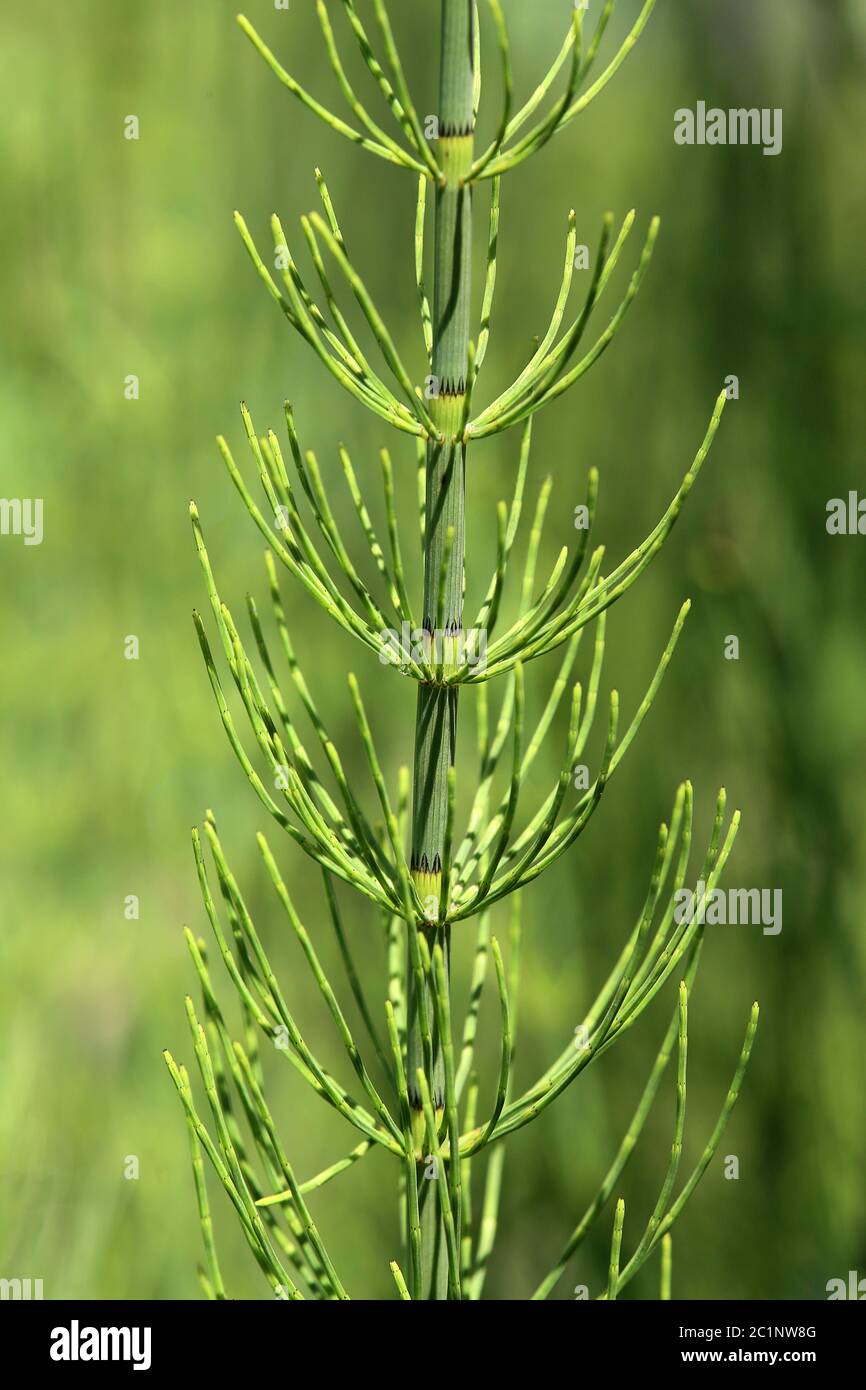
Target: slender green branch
615, 1245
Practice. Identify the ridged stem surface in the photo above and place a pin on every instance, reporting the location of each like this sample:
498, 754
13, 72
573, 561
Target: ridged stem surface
436, 720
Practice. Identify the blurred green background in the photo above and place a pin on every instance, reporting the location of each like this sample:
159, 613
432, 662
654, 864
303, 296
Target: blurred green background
120, 257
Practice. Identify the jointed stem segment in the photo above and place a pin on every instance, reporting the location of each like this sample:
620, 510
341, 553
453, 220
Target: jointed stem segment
444, 548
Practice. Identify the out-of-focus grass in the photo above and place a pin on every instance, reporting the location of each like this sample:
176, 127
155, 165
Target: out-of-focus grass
119, 257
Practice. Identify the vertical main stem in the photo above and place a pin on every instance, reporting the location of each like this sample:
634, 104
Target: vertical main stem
436, 719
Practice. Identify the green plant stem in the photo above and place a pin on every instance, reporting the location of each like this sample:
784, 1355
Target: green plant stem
436, 719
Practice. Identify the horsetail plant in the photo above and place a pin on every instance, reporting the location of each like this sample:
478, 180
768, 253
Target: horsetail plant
416, 1091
